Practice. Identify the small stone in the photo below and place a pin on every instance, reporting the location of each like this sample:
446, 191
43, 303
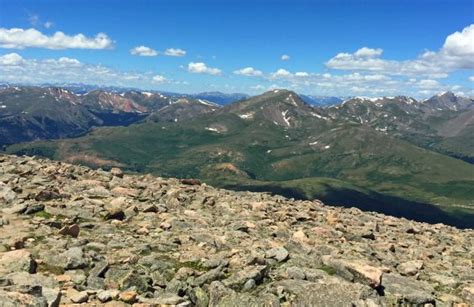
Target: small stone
355, 271
7, 194
143, 231
468, 293
413, 230
279, 253
128, 297
107, 295
16, 209
53, 296
72, 230
47, 195
31, 209
249, 285
165, 225
117, 172
410, 268
190, 181
300, 236
295, 273
115, 214
150, 208
76, 296
17, 261
369, 236
202, 299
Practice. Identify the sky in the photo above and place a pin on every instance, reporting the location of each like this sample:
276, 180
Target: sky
330, 47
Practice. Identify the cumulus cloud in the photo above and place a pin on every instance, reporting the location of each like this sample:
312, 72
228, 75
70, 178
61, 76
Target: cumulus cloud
456, 53
471, 78
281, 73
365, 52
356, 83
175, 52
11, 59
285, 57
248, 71
158, 79
16, 69
257, 87
428, 84
301, 74
20, 38
202, 68
143, 51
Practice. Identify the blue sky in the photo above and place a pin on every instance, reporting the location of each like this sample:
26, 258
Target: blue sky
405, 47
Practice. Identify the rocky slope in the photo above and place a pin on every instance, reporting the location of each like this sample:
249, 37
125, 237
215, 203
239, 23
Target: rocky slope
69, 234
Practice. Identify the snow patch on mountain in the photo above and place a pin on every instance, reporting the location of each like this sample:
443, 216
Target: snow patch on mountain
287, 120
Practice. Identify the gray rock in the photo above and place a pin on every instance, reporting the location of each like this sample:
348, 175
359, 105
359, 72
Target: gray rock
239, 278
220, 295
73, 258
201, 297
72, 230
410, 268
107, 295
17, 261
329, 293
95, 280
77, 297
34, 208
13, 299
355, 271
404, 290
7, 195
52, 296
279, 253
16, 209
208, 277
249, 285
295, 273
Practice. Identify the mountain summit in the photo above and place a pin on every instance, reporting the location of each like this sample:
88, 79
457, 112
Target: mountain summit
108, 238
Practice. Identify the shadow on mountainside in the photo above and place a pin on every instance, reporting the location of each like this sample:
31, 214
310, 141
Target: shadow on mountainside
377, 202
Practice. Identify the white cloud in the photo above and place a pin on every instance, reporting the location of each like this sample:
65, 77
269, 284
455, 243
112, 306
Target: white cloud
16, 69
281, 73
285, 57
257, 87
428, 84
158, 79
21, 38
460, 43
11, 59
456, 53
175, 52
471, 78
365, 52
143, 51
202, 68
35, 20
68, 61
248, 71
301, 74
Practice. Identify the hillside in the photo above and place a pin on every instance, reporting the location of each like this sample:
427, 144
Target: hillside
275, 142
71, 234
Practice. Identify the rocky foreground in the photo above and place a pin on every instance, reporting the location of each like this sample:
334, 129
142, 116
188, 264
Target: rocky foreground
72, 235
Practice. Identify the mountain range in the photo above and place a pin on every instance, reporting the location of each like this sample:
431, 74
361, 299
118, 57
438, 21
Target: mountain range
395, 155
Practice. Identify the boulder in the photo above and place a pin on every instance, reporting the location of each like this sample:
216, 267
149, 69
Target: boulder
17, 261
